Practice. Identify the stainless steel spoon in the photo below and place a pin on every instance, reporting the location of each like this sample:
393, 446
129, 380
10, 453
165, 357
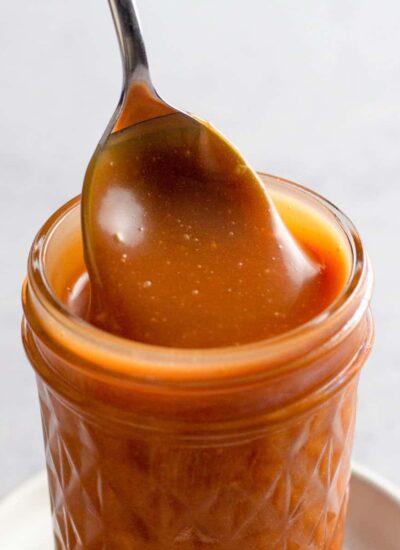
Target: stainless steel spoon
153, 163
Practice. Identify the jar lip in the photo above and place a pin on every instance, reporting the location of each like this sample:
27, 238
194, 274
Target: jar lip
159, 362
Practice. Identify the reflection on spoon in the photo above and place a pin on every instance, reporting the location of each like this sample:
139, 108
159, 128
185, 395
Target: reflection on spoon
123, 215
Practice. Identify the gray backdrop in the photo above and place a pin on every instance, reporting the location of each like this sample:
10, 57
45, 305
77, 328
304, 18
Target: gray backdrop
307, 90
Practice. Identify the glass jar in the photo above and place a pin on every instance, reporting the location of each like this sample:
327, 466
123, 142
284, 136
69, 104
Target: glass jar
234, 448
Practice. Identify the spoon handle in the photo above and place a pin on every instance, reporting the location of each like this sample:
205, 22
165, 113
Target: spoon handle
133, 51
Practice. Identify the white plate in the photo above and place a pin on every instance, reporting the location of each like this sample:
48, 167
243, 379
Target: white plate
373, 522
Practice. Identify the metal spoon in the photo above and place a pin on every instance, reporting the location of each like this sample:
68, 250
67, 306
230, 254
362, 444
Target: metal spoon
159, 180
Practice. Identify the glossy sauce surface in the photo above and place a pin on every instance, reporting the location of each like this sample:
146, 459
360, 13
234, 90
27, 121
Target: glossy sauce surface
187, 249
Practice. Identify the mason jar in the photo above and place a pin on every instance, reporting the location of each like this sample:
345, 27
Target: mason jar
237, 448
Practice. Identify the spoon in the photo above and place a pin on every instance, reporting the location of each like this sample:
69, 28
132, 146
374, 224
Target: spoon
182, 243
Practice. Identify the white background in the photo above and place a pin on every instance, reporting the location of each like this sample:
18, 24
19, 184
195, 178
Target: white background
308, 90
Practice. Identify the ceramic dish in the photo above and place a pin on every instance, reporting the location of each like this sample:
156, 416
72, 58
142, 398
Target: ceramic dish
373, 521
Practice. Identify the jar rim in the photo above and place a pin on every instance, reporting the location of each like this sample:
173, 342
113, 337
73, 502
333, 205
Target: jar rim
123, 358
